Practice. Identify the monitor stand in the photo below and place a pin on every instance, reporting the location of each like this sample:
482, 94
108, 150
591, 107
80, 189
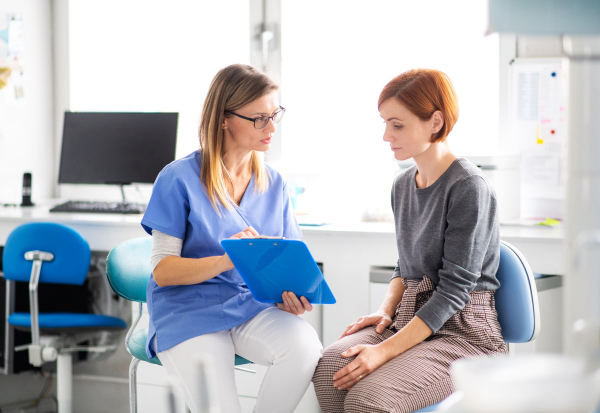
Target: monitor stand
125, 202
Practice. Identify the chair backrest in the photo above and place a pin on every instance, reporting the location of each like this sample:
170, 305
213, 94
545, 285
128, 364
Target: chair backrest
516, 299
128, 268
72, 255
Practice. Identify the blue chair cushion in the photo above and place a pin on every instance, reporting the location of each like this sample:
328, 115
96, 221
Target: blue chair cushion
431, 408
68, 321
137, 348
515, 299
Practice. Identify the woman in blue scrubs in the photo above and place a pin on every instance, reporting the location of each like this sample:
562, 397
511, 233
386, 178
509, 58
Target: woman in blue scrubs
199, 306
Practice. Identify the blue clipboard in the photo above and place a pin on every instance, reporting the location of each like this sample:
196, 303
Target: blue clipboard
271, 266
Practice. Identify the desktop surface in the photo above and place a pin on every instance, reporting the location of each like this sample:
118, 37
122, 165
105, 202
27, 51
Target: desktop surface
543, 246
102, 231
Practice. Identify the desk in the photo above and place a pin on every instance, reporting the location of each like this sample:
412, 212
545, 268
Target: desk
102, 231
347, 251
542, 246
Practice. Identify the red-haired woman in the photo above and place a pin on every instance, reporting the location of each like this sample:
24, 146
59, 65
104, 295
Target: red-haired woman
440, 303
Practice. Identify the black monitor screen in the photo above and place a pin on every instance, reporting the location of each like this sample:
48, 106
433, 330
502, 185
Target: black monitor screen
116, 147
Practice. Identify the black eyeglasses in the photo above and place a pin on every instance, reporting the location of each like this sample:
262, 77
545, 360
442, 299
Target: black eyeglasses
262, 121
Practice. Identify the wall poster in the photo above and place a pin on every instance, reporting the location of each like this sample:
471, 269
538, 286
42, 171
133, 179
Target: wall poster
11, 58
538, 123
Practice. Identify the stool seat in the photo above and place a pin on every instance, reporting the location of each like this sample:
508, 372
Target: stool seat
50, 321
137, 346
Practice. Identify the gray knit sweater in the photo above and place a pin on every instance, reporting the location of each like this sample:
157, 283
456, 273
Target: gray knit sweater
448, 231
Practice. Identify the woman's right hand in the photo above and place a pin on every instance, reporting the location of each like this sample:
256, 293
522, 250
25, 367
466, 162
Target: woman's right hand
247, 233
378, 319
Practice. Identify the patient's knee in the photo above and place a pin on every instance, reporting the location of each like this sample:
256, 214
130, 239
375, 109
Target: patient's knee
331, 361
364, 398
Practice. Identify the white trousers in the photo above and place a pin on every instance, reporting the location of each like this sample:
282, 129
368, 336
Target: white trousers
283, 341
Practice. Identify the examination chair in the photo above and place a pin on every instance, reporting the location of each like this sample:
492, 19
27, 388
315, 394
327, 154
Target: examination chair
516, 303
128, 269
40, 253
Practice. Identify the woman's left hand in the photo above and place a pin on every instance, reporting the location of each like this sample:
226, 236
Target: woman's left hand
368, 359
293, 305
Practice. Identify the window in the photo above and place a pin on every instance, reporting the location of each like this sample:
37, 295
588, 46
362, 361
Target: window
337, 56
134, 55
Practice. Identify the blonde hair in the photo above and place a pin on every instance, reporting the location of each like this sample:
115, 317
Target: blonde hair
424, 91
233, 87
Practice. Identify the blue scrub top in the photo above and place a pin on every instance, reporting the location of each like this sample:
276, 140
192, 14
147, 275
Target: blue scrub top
179, 207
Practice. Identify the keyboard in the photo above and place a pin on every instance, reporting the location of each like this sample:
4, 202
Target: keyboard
99, 207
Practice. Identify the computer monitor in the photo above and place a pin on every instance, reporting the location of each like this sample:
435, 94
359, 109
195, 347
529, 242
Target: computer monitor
116, 147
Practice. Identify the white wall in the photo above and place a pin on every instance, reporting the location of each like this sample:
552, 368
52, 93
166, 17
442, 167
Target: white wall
26, 141
26, 126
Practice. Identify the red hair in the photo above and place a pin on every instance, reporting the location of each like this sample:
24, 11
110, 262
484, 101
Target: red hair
424, 91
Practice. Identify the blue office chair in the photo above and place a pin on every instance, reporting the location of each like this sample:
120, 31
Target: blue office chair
128, 269
40, 253
516, 302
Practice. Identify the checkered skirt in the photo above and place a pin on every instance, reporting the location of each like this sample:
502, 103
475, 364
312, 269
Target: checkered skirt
420, 376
